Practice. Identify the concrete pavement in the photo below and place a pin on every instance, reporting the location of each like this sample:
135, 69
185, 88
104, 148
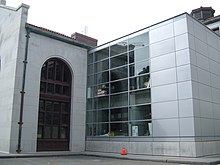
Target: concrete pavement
179, 160
75, 160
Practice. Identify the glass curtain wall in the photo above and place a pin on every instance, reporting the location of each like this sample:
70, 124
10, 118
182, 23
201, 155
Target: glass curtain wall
118, 93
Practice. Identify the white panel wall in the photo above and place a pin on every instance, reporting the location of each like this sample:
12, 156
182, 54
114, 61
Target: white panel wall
206, 87
171, 79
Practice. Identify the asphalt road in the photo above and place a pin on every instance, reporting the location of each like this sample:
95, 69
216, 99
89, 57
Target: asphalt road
75, 160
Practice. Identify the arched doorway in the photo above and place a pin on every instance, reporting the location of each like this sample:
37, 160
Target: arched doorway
54, 106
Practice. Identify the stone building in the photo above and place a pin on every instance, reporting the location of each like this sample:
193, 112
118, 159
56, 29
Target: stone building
43, 84
155, 91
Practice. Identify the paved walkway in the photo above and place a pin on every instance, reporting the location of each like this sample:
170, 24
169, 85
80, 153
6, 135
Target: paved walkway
181, 160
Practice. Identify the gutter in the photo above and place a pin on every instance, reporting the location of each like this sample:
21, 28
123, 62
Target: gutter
20, 123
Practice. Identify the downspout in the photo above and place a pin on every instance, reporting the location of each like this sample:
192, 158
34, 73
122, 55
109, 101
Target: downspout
20, 123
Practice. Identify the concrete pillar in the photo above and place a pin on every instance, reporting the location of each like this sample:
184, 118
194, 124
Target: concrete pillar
2, 2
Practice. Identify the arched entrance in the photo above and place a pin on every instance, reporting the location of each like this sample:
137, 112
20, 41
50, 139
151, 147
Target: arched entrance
54, 107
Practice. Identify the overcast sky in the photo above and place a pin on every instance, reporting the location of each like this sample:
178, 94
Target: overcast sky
106, 19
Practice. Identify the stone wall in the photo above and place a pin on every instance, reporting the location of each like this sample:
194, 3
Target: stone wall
12, 39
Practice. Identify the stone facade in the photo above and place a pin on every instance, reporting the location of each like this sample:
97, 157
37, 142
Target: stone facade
12, 45
42, 45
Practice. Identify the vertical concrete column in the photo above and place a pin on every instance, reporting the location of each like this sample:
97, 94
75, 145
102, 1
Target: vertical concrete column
2, 2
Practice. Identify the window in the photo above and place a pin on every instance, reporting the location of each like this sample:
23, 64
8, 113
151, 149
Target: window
102, 54
54, 106
119, 73
118, 91
101, 66
119, 60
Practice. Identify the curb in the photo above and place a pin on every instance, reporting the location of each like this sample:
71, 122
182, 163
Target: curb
201, 161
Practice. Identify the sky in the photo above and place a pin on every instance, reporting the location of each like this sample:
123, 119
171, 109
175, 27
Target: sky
106, 20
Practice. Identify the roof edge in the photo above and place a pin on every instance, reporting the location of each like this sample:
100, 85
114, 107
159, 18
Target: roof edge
15, 9
140, 30
211, 20
185, 13
55, 35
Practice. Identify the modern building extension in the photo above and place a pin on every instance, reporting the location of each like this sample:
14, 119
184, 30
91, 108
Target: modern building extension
156, 91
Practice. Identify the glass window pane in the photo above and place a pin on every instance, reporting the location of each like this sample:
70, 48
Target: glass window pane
49, 105
140, 97
55, 133
41, 118
63, 134
138, 41
119, 60
89, 129
90, 58
140, 82
57, 106
41, 105
142, 128
119, 129
119, 100
101, 102
65, 119
50, 70
40, 132
101, 129
44, 71
58, 71
139, 68
66, 90
47, 132
50, 88
101, 116
90, 69
131, 57
119, 73
118, 48
101, 90
58, 89
90, 92
139, 54
99, 55
90, 81
101, 66
119, 86
66, 75
119, 114
43, 87
56, 119
48, 118
89, 116
89, 104
64, 107
101, 77
140, 112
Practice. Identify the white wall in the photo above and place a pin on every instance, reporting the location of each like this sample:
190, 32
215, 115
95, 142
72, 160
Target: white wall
41, 49
205, 49
171, 87
12, 22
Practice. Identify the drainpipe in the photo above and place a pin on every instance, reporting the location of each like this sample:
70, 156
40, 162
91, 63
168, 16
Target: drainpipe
20, 123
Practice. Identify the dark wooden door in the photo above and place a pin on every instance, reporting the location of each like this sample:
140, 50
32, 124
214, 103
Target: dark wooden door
54, 107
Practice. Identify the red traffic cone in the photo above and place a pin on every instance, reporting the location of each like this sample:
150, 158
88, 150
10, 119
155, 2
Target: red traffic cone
123, 151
